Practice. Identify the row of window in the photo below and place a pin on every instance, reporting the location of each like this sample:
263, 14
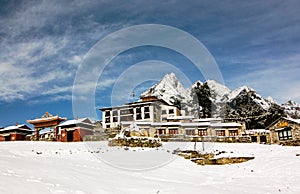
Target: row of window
285, 134
170, 111
201, 132
127, 118
127, 111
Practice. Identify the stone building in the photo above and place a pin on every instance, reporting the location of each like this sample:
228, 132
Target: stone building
259, 135
286, 131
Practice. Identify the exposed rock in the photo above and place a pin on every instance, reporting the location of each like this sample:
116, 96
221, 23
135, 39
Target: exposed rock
134, 137
208, 158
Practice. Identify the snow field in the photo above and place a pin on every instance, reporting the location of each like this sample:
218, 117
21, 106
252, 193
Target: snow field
53, 167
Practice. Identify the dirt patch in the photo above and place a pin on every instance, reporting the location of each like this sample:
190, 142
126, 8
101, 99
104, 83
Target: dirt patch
291, 143
209, 158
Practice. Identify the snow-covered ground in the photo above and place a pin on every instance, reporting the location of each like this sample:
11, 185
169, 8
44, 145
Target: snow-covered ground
49, 167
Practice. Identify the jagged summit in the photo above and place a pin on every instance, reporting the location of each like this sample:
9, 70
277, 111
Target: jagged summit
251, 94
169, 89
219, 91
197, 83
272, 100
292, 109
291, 103
239, 91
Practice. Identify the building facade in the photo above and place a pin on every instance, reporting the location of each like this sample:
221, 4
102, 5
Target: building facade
46, 123
259, 135
147, 110
166, 121
285, 130
15, 133
74, 130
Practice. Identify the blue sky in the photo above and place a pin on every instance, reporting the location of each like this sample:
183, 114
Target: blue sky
255, 43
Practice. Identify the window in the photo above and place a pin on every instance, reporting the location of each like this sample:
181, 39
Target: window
107, 120
171, 111
173, 131
147, 115
115, 116
221, 133
138, 110
115, 119
280, 134
161, 131
233, 132
139, 116
163, 112
190, 132
107, 113
285, 134
202, 132
115, 113
147, 109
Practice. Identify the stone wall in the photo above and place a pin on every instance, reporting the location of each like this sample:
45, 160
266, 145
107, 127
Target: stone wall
135, 142
295, 133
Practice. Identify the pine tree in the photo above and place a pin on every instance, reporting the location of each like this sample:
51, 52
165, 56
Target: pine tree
202, 96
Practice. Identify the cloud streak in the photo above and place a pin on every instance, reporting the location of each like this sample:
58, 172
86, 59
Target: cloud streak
43, 42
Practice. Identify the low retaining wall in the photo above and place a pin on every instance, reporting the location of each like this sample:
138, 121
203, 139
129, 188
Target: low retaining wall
135, 142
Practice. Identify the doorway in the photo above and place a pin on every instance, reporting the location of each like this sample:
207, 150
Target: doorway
253, 139
70, 136
7, 138
263, 139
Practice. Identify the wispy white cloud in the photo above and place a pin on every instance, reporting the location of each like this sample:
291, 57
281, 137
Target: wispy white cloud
41, 51
23, 73
44, 42
277, 77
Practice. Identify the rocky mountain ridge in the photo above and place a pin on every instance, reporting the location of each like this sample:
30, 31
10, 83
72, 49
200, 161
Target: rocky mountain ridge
218, 100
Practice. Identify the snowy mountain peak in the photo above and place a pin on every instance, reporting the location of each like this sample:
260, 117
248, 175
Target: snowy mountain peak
172, 91
292, 109
272, 100
219, 91
239, 91
291, 103
252, 94
169, 89
169, 78
197, 84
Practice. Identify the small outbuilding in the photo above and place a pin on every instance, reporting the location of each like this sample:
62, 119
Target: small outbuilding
15, 133
286, 131
259, 135
75, 130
